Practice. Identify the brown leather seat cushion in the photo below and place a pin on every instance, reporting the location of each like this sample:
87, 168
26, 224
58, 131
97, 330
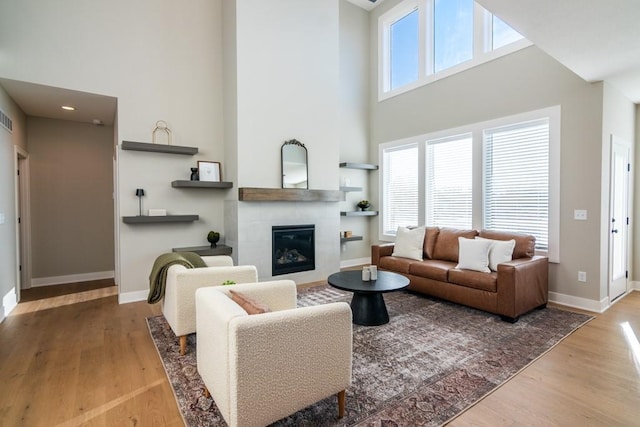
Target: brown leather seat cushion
474, 279
397, 264
432, 269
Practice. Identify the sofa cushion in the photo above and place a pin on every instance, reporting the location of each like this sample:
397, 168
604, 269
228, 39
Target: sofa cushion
499, 252
432, 269
446, 247
397, 264
409, 243
430, 236
474, 254
474, 279
525, 243
248, 304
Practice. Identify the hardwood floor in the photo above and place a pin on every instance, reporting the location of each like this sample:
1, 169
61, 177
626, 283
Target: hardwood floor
93, 363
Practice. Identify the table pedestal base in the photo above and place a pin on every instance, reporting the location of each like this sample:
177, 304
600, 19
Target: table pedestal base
369, 309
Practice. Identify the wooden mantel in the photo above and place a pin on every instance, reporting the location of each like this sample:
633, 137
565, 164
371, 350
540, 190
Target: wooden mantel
252, 194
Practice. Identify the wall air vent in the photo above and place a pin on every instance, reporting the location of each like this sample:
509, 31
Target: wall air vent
6, 122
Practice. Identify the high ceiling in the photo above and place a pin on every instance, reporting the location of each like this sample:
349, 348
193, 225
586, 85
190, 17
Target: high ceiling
595, 39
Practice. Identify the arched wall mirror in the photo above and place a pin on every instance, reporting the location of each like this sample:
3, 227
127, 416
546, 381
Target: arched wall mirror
294, 165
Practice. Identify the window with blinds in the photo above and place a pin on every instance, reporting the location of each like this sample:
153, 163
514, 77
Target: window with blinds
400, 187
449, 197
516, 179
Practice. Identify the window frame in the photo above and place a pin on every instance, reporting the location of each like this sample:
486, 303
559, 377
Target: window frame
482, 45
476, 130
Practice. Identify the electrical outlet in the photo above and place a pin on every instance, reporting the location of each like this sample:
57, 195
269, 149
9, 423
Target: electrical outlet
582, 276
580, 214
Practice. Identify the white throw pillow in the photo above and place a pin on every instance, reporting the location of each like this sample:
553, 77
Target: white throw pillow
499, 252
473, 254
409, 243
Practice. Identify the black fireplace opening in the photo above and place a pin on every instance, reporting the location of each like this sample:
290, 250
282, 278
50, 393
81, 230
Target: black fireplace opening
293, 248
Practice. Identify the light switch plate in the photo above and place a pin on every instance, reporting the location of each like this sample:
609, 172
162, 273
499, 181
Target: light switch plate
580, 214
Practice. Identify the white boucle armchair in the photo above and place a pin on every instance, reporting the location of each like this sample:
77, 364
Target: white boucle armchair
263, 367
178, 304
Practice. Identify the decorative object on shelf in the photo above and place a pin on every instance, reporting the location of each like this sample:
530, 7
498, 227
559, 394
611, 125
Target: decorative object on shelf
194, 174
213, 237
161, 126
348, 234
294, 165
228, 282
363, 205
140, 193
209, 171
157, 212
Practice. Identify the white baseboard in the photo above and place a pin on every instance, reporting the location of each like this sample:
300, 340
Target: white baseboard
9, 302
634, 285
354, 262
578, 302
72, 278
127, 297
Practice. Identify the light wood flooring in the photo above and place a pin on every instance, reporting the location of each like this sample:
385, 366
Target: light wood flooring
91, 362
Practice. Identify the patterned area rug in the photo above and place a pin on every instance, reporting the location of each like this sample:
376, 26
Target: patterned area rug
432, 361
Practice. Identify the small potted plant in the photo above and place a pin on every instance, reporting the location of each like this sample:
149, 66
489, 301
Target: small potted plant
363, 205
213, 237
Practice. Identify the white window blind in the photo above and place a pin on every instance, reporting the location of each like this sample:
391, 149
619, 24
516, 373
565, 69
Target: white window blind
449, 182
400, 182
516, 174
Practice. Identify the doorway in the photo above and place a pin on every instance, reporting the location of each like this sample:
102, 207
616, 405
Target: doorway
618, 218
23, 214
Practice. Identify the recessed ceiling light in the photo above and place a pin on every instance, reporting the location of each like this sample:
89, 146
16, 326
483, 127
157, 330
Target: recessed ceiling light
68, 108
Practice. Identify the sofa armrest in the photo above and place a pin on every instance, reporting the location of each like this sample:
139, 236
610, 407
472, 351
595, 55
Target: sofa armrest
378, 251
523, 284
218, 260
301, 356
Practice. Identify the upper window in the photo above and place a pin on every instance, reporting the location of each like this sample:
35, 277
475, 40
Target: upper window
421, 41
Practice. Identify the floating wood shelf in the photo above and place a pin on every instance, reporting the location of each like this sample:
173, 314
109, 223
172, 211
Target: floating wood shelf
206, 250
350, 239
350, 165
159, 148
200, 184
158, 219
359, 213
248, 194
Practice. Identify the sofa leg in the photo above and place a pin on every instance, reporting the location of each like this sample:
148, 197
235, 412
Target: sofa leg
206, 392
540, 307
183, 344
341, 403
509, 319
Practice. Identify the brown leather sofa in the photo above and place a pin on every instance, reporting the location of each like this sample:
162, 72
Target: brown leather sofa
517, 286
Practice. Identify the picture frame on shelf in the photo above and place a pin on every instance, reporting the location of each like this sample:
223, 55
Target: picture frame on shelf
209, 171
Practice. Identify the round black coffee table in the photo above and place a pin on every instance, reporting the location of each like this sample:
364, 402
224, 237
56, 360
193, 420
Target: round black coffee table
367, 305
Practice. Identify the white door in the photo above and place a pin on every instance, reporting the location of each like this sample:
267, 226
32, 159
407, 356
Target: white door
618, 219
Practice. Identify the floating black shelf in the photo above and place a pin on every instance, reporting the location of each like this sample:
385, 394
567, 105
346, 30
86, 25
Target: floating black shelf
200, 184
350, 165
159, 148
159, 219
359, 213
350, 239
206, 250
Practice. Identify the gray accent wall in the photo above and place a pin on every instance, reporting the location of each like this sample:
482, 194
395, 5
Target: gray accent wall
71, 181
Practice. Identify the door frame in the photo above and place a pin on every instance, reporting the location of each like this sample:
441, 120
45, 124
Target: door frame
615, 141
23, 229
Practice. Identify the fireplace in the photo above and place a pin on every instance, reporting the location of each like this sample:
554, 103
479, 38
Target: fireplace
293, 249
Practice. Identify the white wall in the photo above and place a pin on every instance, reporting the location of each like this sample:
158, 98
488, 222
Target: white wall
354, 125
284, 85
8, 258
162, 60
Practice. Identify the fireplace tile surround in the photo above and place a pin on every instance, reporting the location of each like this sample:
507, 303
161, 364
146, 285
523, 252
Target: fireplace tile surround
248, 229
